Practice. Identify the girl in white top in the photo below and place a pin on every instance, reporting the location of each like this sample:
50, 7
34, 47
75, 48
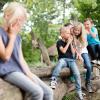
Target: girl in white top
81, 47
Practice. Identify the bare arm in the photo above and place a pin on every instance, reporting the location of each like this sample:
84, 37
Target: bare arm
5, 52
72, 49
64, 49
93, 34
24, 65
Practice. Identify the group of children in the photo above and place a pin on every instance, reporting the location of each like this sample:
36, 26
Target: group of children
73, 43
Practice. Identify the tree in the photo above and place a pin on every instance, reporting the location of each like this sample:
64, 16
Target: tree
88, 8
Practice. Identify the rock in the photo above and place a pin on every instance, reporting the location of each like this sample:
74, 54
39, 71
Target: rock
9, 92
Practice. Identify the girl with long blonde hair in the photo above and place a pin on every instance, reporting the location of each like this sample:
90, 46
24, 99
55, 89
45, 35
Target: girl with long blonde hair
81, 42
13, 67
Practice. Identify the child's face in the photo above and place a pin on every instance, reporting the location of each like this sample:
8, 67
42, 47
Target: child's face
66, 34
87, 24
77, 31
19, 22
13, 20
71, 30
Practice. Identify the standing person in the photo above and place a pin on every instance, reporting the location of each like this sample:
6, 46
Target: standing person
66, 59
80, 34
93, 41
13, 67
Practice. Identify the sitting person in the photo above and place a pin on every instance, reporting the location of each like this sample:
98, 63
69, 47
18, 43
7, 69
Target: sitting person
13, 67
80, 36
66, 55
93, 41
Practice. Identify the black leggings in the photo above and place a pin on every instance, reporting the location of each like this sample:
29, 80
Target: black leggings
94, 51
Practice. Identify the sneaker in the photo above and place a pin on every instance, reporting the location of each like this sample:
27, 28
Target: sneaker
80, 96
53, 84
98, 62
94, 61
89, 87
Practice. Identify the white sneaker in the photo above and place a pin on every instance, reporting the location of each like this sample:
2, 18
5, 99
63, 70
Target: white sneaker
53, 84
80, 96
98, 62
94, 61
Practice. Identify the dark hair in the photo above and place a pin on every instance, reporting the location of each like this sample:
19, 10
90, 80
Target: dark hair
67, 24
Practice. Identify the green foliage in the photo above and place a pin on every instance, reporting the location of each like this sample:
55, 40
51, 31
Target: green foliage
41, 13
85, 7
1, 21
70, 96
89, 8
31, 55
52, 36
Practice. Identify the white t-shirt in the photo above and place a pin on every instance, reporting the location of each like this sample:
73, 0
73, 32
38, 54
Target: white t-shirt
84, 50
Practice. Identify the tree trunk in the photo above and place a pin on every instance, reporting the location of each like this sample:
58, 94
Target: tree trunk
34, 40
44, 52
38, 43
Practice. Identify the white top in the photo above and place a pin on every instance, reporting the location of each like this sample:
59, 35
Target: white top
84, 50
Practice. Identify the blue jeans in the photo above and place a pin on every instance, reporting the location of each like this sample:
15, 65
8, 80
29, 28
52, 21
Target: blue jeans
88, 66
64, 62
94, 51
37, 88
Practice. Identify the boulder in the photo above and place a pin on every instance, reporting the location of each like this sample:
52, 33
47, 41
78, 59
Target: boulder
9, 92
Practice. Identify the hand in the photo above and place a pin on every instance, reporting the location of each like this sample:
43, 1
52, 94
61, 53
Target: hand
88, 31
13, 29
70, 39
79, 57
31, 76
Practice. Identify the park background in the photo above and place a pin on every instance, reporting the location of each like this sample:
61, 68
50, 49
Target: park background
45, 17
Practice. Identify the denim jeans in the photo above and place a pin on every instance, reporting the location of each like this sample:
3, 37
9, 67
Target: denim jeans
36, 88
64, 62
88, 66
94, 51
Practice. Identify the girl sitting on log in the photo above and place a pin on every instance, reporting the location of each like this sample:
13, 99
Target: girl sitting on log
13, 67
81, 39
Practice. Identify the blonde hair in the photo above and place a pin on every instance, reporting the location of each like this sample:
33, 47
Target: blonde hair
83, 34
14, 10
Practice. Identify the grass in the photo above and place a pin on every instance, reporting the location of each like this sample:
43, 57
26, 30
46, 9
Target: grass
70, 96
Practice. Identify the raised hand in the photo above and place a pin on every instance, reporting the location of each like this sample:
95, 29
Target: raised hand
70, 39
13, 29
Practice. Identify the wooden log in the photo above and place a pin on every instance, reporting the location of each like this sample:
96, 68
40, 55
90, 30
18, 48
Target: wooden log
46, 71
9, 92
60, 90
96, 84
